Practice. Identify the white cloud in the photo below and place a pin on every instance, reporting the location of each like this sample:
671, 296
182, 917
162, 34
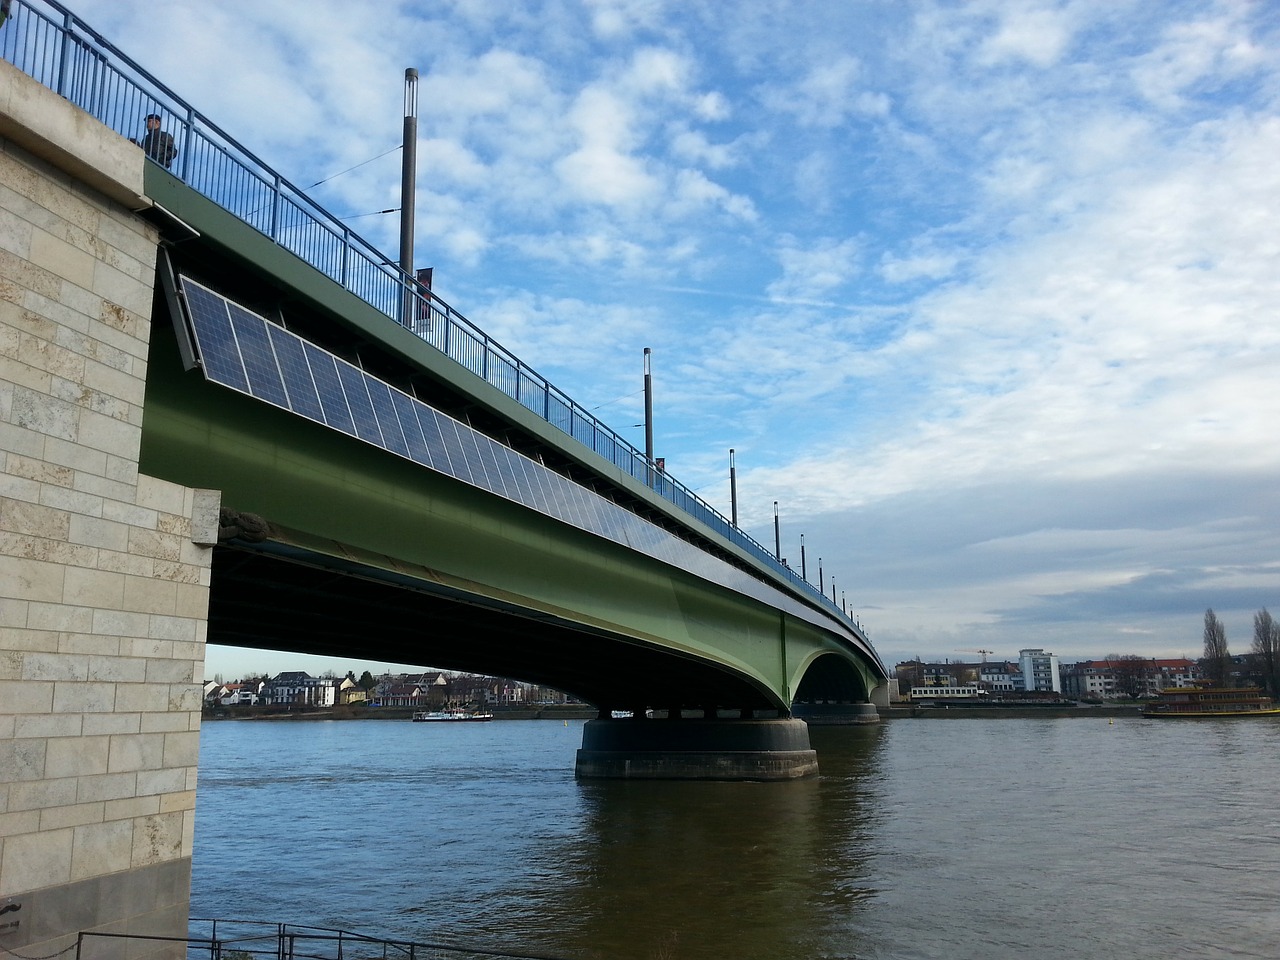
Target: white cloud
928, 266
814, 271
618, 19
1038, 35
1204, 52
828, 95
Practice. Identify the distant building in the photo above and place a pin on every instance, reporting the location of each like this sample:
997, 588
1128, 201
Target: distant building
1039, 671
995, 677
351, 692
999, 677
297, 687
1127, 677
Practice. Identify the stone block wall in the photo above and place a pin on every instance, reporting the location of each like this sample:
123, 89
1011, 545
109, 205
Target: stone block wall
104, 572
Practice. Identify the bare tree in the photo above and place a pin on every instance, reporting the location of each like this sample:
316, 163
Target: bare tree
1131, 672
1217, 659
1266, 648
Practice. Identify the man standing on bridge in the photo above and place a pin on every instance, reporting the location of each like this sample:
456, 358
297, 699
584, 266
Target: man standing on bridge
156, 143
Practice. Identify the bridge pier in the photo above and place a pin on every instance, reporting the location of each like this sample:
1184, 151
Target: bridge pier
104, 571
837, 714
696, 749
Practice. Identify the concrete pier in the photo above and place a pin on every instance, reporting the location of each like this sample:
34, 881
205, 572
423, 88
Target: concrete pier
104, 571
836, 714
696, 749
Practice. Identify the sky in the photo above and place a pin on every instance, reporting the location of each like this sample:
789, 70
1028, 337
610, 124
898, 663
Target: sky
984, 294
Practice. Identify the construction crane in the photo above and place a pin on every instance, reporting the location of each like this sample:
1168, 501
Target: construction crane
981, 651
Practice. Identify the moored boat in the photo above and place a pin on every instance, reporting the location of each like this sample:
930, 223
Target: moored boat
448, 716
1192, 702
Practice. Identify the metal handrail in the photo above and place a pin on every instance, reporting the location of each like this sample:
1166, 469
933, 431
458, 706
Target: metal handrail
78, 63
282, 941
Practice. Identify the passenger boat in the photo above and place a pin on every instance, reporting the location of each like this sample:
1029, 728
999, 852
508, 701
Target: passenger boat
448, 716
1191, 702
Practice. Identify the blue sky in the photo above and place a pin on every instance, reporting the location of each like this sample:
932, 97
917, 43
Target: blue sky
984, 294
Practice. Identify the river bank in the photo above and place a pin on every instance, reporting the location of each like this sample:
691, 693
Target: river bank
280, 713
1126, 711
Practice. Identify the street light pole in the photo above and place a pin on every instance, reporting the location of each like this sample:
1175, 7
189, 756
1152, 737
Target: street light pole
733, 490
804, 574
777, 534
408, 189
648, 414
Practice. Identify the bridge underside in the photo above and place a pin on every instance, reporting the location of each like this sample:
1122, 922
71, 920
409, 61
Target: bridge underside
278, 596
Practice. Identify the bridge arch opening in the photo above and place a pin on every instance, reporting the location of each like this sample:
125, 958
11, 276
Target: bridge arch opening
832, 679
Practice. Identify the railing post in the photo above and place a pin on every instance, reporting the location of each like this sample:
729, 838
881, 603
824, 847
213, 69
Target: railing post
68, 41
346, 249
188, 144
275, 209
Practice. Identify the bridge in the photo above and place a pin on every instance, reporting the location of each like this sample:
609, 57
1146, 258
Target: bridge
227, 418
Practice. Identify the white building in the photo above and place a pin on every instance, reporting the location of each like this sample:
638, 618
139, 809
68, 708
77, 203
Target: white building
299, 687
1039, 671
1000, 677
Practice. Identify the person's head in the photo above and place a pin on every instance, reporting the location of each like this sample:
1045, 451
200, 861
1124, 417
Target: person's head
153, 121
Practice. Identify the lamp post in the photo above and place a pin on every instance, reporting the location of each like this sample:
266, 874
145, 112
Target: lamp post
648, 413
804, 573
733, 490
408, 188
777, 534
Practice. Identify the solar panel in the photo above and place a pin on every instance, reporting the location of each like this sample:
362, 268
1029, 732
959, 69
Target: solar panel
259, 359
388, 420
357, 391
299, 384
333, 399
214, 338
429, 420
413, 438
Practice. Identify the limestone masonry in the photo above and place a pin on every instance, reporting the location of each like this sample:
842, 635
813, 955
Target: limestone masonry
104, 572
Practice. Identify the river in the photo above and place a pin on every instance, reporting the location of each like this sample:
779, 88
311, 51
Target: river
922, 838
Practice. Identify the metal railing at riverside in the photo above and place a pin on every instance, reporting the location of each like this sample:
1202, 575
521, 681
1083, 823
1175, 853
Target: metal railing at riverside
254, 940
55, 47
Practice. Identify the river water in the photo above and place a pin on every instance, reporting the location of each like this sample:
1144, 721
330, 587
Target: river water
922, 838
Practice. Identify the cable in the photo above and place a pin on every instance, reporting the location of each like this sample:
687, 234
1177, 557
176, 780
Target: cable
376, 213
625, 396
360, 164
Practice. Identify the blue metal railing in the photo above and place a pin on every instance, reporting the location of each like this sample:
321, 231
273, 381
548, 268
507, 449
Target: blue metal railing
55, 47
259, 940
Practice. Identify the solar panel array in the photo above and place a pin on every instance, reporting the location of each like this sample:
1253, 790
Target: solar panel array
250, 354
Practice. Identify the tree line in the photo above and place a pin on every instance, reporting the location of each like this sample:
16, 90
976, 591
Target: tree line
1265, 649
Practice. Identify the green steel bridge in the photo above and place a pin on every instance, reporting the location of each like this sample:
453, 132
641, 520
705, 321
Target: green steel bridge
397, 486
